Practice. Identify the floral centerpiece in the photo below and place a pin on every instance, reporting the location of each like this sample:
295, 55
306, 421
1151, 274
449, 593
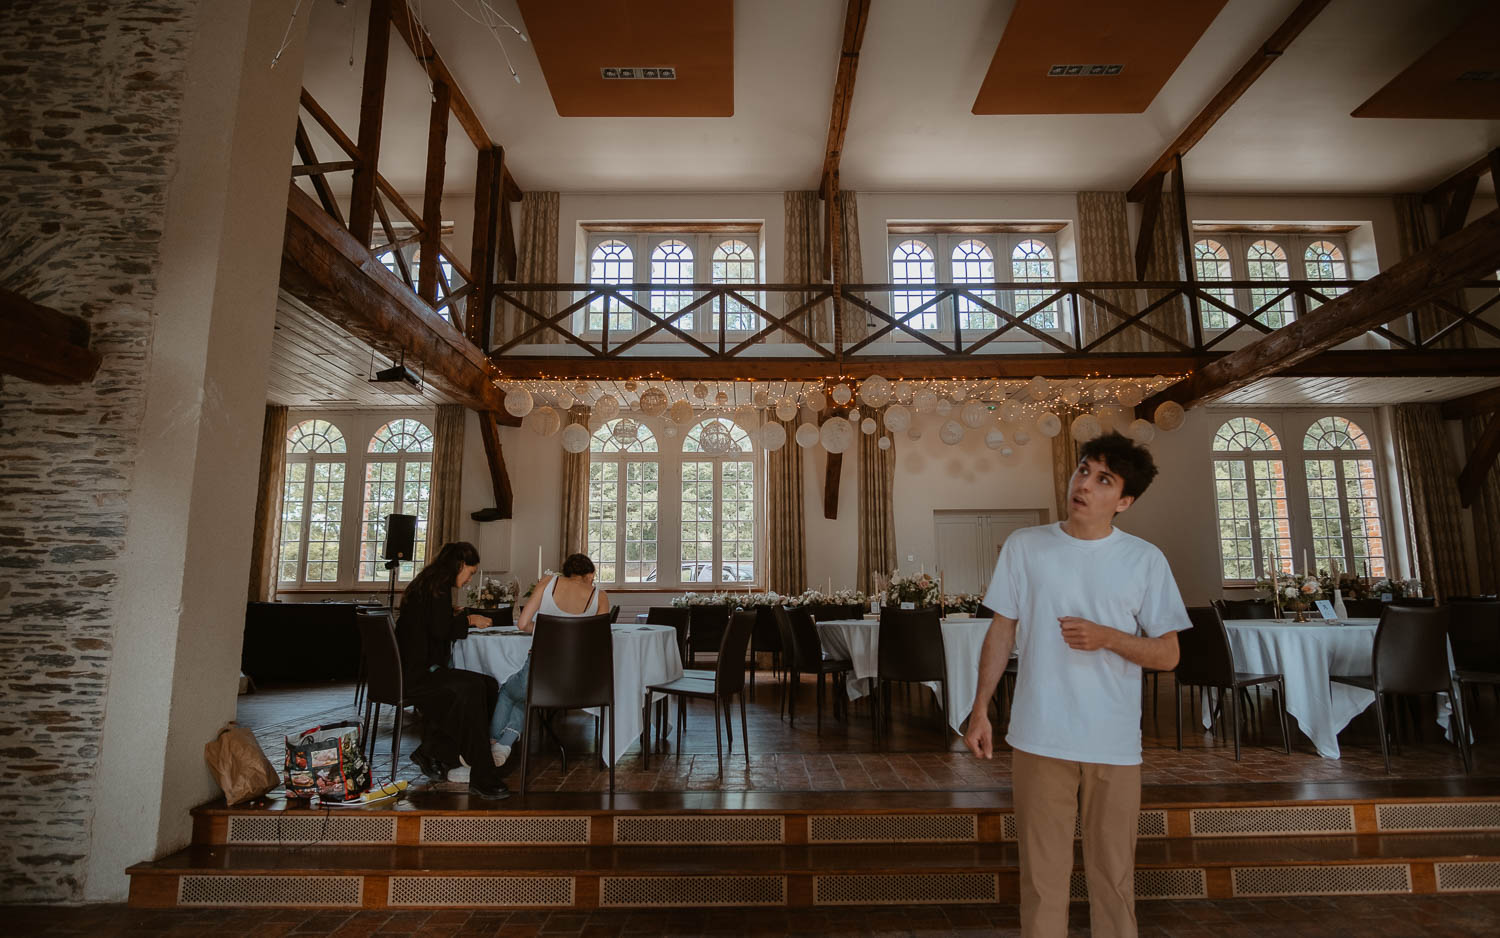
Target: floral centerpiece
1297, 591
1349, 585
728, 600
492, 593
758, 600
849, 598
1396, 589
967, 603
919, 590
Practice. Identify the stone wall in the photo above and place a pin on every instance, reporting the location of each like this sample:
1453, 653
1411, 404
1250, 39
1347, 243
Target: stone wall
89, 99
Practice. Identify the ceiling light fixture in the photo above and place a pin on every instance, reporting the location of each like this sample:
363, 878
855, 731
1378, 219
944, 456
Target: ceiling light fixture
492, 20
656, 72
1083, 71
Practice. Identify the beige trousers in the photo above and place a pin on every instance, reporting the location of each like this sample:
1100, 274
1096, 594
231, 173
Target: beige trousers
1048, 793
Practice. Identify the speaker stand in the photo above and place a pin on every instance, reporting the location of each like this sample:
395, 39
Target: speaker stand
393, 566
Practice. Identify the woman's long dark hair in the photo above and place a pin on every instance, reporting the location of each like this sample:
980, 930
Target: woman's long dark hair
577, 565
439, 576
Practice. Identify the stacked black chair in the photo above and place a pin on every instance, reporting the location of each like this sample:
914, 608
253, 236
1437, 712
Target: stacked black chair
1205, 660
572, 667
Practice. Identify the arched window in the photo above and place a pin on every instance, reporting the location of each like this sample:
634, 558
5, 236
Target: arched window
312, 504
1211, 262
624, 483
718, 503
734, 262
612, 261
1255, 534
1323, 260
974, 262
1343, 498
913, 262
1266, 260
672, 262
1031, 262
398, 480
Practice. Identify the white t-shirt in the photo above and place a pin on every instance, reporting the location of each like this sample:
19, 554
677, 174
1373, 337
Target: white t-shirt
1083, 706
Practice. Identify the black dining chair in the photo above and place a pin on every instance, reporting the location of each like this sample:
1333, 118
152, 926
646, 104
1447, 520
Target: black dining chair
1245, 608
1205, 660
1364, 608
728, 682
1411, 657
765, 638
384, 684
573, 667
910, 650
1474, 631
705, 630
677, 618
800, 634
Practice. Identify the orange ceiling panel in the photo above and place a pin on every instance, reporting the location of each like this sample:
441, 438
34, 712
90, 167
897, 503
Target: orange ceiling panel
577, 39
1148, 40
1457, 79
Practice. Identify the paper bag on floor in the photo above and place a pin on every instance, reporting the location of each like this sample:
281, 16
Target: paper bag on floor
239, 765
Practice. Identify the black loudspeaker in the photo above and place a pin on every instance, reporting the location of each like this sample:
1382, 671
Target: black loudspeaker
400, 536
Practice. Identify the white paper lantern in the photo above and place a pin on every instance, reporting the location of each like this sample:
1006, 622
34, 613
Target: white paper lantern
1130, 395
807, 435
994, 439
580, 390
680, 411
1049, 424
853, 415
715, 438
1038, 387
897, 418
700, 390
562, 399
518, 402
786, 408
867, 426
630, 385
841, 394
1011, 410
544, 421
958, 392
925, 400
952, 432
816, 401
902, 391
653, 402
760, 398
1071, 396
884, 442
1021, 437
837, 434
1141, 431
1086, 427
944, 407
607, 408
575, 438
875, 391
626, 432
973, 414
670, 431
773, 436
914, 432
1007, 452
721, 398
1169, 416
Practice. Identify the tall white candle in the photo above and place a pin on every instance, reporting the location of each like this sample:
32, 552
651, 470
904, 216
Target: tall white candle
1305, 567
538, 561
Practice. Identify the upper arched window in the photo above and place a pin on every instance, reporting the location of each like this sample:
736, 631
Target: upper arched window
1032, 262
314, 436
672, 263
1332, 433
623, 435
1245, 433
1211, 262
1324, 260
734, 262
402, 436
611, 262
974, 262
912, 261
1266, 260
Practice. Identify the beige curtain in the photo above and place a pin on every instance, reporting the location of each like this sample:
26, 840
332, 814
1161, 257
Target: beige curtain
575, 493
1431, 499
1105, 253
786, 523
1167, 263
266, 540
536, 262
802, 262
877, 507
444, 511
856, 320
1414, 230
1064, 461
1486, 512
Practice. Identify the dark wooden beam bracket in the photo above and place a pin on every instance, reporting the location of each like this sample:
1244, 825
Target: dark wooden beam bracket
1481, 463
1472, 405
40, 344
494, 454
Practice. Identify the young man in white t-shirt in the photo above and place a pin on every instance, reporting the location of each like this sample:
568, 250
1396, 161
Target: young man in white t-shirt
1085, 606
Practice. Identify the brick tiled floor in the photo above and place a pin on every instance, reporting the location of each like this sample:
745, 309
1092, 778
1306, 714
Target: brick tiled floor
1366, 916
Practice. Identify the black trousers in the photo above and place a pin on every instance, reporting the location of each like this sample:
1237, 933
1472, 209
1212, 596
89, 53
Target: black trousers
456, 707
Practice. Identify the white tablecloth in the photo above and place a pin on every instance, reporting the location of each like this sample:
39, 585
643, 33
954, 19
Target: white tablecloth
859, 641
1305, 654
644, 654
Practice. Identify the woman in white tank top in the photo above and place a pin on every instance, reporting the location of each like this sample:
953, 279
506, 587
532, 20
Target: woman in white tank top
573, 595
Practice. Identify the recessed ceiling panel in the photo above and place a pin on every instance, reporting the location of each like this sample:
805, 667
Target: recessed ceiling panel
1457, 79
1090, 56
635, 58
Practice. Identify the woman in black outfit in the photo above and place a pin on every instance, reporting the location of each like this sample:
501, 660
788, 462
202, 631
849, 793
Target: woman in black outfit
455, 704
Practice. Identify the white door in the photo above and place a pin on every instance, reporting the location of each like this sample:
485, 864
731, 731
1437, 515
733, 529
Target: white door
968, 543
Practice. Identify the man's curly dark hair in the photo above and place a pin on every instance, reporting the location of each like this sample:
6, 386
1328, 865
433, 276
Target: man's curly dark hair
1125, 458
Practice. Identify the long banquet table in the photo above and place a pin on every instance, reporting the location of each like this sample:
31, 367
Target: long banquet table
859, 641
644, 655
1306, 654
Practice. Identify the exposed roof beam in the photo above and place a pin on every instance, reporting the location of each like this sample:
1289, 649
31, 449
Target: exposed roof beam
1485, 164
1220, 103
855, 17
1433, 271
494, 454
1472, 405
1481, 462
40, 344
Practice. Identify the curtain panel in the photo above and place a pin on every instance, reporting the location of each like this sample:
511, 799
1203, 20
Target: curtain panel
444, 513
575, 494
536, 262
1486, 512
1431, 499
266, 539
1064, 460
1414, 230
786, 521
1167, 263
1105, 253
802, 262
877, 506
856, 321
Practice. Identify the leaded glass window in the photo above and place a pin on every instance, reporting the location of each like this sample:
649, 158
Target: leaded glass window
974, 262
1254, 528
624, 492
312, 504
397, 481
1344, 498
1211, 262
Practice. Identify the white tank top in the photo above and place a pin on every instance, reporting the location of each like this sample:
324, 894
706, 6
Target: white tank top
549, 606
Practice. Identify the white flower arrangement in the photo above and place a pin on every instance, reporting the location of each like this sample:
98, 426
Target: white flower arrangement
493, 593
919, 590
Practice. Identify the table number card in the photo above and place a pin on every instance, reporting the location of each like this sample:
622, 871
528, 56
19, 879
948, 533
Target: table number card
1325, 609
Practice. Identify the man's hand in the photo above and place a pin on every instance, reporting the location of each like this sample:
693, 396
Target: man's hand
1083, 635
980, 737
478, 622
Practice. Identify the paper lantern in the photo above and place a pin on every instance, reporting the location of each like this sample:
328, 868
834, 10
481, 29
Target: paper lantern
1038, 387
580, 390
575, 438
786, 409
1130, 395
914, 432
1010, 411
994, 439
773, 436
952, 432
925, 400
544, 421
807, 435
973, 414
721, 398
630, 385
875, 391
606, 408
1021, 437
680, 412
1141, 431
562, 399
816, 402
715, 438
1086, 427
837, 434
670, 431
1006, 452
841, 394
884, 442
518, 402
1169, 416
867, 426
944, 407
1071, 396
653, 402
853, 416
1049, 424
897, 418
626, 432
700, 390
958, 392
760, 398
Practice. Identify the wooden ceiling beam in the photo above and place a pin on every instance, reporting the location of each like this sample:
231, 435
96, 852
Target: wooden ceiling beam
371, 120
41, 344
1472, 405
1485, 164
1481, 462
1219, 104
494, 454
856, 16
1150, 210
1442, 267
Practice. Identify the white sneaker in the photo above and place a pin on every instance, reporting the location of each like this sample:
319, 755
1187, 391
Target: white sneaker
499, 752
460, 774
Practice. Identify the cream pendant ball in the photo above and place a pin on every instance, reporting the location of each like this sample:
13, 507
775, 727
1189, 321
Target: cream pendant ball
1071, 396
897, 418
786, 409
807, 436
606, 408
1130, 395
884, 442
816, 402
670, 431
715, 439
875, 391
925, 400
1049, 424
944, 407
1038, 387
867, 426
841, 394
1086, 427
837, 434
721, 398
973, 414
951, 432
1010, 411
914, 432
760, 398
1141, 431
653, 402
773, 436
630, 385
1021, 437
626, 432
580, 390
994, 439
544, 421
518, 402
1169, 416
700, 390
853, 416
680, 412
562, 399
575, 438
